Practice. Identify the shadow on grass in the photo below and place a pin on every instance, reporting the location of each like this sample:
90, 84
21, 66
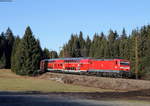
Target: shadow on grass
35, 98
86, 95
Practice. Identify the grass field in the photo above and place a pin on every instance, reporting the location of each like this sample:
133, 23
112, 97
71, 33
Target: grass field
11, 82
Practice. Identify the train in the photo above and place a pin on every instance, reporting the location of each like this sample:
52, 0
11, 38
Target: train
88, 66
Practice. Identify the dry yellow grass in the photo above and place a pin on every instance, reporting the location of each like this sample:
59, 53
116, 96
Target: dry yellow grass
118, 84
11, 82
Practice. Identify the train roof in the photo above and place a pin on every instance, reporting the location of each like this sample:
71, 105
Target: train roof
104, 59
80, 58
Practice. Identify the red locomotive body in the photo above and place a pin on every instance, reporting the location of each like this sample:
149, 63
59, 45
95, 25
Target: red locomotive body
110, 65
102, 67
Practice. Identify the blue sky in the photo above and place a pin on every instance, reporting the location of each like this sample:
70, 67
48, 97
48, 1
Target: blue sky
53, 21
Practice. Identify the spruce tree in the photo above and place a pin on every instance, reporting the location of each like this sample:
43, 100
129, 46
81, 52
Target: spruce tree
14, 54
124, 48
53, 54
94, 46
3, 61
87, 45
28, 54
45, 54
82, 46
146, 58
76, 48
2, 51
9, 45
112, 45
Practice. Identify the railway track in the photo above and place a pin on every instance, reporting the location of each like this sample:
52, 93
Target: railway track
98, 82
111, 75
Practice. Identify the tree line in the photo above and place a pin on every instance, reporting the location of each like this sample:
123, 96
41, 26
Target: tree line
22, 55
134, 47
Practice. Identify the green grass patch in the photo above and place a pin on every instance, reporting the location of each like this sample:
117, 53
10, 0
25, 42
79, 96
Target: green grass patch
11, 82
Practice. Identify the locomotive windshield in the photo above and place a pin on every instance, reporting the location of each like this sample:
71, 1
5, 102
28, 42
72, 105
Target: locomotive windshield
124, 63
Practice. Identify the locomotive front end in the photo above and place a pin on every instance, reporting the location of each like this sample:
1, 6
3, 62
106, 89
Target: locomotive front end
125, 66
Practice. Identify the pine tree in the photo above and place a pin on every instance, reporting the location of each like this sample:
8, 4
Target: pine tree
146, 58
76, 48
87, 46
112, 44
9, 45
63, 51
2, 51
144, 44
15, 53
134, 52
46, 53
98, 46
53, 54
123, 45
2, 42
3, 61
29, 54
94, 45
82, 46
70, 49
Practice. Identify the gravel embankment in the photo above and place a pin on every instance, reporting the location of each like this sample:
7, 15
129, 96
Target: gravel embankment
98, 82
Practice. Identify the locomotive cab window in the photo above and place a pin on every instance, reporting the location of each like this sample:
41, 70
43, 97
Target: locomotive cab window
124, 63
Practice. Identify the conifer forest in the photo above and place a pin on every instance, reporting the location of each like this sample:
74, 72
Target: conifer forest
23, 55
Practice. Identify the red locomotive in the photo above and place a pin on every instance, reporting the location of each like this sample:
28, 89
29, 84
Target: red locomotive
101, 67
